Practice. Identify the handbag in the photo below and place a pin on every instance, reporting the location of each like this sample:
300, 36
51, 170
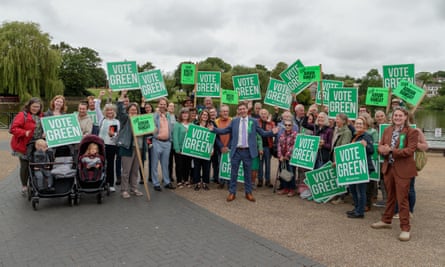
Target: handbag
284, 173
421, 159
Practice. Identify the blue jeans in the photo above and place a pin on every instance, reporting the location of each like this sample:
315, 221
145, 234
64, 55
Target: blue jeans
238, 156
411, 197
358, 192
160, 152
265, 160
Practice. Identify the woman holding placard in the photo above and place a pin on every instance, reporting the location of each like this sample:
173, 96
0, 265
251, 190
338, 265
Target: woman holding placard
202, 164
342, 136
127, 146
358, 191
109, 128
321, 128
397, 146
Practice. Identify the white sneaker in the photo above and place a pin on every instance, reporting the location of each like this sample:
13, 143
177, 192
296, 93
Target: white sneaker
411, 215
112, 189
396, 216
404, 236
125, 194
381, 225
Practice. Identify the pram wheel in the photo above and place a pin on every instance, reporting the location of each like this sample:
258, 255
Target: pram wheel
77, 200
70, 200
29, 192
107, 189
35, 204
99, 198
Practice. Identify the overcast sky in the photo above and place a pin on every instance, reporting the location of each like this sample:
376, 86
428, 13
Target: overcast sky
345, 36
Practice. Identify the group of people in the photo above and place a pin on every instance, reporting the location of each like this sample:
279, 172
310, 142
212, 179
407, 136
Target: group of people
252, 137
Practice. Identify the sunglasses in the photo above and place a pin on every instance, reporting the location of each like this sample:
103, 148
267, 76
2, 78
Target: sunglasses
288, 125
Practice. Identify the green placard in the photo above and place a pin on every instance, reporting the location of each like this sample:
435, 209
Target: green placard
382, 128
123, 75
62, 130
323, 183
198, 142
376, 96
327, 84
393, 74
375, 175
343, 100
247, 86
278, 94
188, 73
291, 78
229, 97
142, 124
351, 164
209, 84
225, 168
152, 85
409, 92
305, 151
93, 116
309, 74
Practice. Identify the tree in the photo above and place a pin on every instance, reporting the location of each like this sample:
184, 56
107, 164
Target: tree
441, 91
372, 79
28, 65
80, 69
424, 77
214, 64
279, 68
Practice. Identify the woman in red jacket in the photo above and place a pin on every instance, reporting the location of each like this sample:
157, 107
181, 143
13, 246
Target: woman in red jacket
26, 127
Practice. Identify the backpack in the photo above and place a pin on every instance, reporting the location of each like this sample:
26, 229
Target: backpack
25, 117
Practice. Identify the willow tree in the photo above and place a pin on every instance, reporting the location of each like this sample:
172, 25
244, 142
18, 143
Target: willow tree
28, 65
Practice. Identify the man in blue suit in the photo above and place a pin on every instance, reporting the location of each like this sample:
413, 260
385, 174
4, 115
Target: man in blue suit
243, 147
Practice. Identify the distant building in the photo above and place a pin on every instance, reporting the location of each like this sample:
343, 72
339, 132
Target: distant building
432, 89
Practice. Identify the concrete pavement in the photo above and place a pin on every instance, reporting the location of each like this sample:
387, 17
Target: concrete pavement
167, 231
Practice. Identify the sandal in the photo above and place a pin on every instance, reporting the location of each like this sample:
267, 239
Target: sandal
197, 187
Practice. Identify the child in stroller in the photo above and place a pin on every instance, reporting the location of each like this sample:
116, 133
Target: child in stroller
43, 171
91, 162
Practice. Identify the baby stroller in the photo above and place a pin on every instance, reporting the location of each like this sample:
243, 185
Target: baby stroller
92, 179
51, 174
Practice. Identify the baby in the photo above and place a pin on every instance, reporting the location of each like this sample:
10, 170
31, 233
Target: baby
91, 157
42, 171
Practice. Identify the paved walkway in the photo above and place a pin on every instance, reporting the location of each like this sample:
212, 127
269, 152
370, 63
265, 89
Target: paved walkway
167, 231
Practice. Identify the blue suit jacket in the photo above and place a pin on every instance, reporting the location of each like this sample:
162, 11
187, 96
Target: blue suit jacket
252, 129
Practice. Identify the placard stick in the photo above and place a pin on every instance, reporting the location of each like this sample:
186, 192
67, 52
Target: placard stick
195, 98
321, 88
389, 102
141, 166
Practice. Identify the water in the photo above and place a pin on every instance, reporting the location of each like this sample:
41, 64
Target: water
429, 120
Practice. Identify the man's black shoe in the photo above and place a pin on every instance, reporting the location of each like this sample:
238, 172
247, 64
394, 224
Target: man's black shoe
158, 188
350, 212
356, 216
170, 186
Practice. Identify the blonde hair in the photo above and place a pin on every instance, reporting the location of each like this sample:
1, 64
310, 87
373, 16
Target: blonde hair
41, 143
